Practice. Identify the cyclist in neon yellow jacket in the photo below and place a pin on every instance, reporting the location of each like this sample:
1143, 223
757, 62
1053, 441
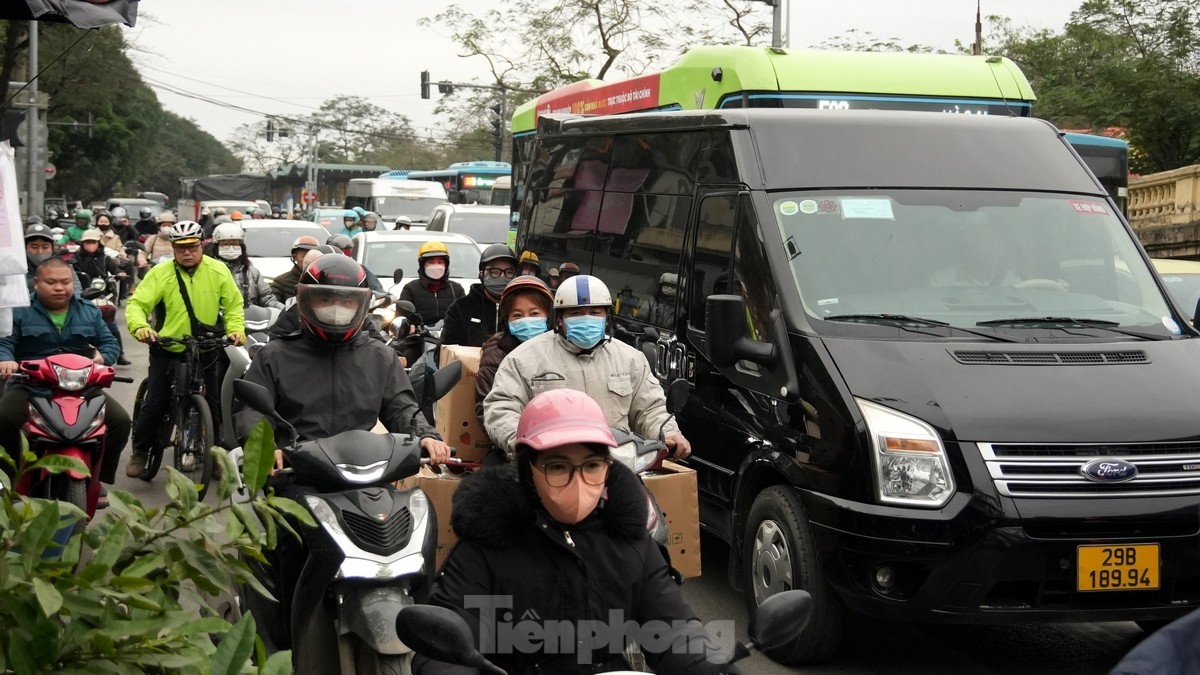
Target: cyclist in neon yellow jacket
216, 309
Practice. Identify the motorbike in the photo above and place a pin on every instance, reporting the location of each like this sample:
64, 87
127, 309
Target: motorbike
403, 329
259, 321
66, 417
443, 634
373, 552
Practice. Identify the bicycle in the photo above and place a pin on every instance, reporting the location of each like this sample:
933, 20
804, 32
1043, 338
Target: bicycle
187, 426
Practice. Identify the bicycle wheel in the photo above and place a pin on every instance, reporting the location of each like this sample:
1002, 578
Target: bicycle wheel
194, 441
155, 453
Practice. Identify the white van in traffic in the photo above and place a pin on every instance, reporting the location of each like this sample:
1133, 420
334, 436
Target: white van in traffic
392, 197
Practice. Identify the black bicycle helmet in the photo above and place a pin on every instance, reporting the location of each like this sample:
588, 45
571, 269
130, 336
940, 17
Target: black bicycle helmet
333, 298
341, 241
497, 252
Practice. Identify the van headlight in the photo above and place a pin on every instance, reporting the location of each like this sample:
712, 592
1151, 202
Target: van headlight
911, 467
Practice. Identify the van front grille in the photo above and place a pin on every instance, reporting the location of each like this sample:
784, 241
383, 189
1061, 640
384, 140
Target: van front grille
1046, 470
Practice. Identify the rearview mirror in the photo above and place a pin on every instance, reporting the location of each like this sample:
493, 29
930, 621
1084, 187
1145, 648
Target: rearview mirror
445, 378
441, 634
398, 275
677, 395
725, 333
254, 395
779, 619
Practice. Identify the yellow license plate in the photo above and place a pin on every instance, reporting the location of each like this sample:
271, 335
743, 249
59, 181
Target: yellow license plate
1125, 567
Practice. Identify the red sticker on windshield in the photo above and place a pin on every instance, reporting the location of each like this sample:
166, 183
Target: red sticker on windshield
1096, 208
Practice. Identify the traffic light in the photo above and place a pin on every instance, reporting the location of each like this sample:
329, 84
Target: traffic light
498, 130
424, 84
270, 130
445, 87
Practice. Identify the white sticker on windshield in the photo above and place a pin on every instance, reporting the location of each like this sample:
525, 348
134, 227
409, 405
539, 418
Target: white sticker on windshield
1172, 326
880, 209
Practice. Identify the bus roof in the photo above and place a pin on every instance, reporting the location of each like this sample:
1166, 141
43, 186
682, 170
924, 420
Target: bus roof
704, 76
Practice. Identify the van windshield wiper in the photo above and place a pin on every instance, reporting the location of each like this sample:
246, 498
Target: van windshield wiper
1061, 321
898, 320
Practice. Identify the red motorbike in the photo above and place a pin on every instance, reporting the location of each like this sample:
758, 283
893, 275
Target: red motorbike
66, 417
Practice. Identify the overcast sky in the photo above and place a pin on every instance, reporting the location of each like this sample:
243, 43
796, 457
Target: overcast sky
286, 56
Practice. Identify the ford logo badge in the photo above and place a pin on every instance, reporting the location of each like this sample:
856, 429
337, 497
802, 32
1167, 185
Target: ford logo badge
1108, 470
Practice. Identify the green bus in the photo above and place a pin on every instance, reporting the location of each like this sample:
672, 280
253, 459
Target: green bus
763, 77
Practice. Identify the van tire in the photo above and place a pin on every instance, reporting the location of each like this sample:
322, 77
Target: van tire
777, 531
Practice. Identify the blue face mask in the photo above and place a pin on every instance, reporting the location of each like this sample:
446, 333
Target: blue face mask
527, 327
585, 331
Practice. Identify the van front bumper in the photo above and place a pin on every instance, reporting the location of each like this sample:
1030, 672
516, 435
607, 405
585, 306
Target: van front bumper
969, 564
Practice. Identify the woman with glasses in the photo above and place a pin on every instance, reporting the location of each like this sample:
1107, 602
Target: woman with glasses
554, 570
475, 317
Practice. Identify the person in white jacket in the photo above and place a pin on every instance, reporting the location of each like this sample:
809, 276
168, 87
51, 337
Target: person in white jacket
579, 354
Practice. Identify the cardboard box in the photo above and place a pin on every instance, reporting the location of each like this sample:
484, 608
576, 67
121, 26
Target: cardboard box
676, 490
440, 487
455, 412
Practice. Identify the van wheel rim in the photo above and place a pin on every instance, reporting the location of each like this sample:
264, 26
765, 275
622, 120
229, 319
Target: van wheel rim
771, 560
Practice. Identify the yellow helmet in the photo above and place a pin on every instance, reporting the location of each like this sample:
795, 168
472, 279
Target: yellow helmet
433, 249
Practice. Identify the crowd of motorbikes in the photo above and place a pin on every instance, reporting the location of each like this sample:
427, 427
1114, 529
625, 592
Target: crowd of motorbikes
372, 556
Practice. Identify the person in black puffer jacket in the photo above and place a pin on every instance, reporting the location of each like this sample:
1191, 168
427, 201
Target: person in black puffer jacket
476, 316
432, 292
559, 538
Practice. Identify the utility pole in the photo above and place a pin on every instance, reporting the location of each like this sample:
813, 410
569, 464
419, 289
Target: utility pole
977, 48
778, 40
33, 201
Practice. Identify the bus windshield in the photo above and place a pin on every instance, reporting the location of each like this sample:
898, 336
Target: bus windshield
966, 257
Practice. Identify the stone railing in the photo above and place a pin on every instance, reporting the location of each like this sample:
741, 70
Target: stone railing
1165, 198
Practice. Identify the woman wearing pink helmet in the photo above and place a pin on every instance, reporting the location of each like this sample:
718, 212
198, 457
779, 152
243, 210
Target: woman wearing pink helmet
555, 546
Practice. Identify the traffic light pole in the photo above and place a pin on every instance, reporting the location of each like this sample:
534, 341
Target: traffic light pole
446, 87
33, 203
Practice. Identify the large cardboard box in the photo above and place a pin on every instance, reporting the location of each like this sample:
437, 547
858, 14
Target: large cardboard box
439, 487
676, 490
455, 412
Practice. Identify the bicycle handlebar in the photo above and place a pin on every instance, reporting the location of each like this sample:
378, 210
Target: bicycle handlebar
189, 340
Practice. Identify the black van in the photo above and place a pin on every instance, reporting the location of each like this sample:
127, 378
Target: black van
933, 375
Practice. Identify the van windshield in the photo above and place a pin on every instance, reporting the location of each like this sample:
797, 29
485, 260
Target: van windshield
416, 208
967, 258
484, 228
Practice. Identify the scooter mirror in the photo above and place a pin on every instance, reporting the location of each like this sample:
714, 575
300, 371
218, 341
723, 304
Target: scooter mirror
780, 618
406, 307
254, 395
445, 378
441, 634
677, 395
398, 275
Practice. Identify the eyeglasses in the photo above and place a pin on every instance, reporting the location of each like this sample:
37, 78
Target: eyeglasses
559, 473
496, 273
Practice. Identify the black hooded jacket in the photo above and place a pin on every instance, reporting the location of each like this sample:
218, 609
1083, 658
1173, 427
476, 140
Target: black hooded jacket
431, 305
471, 320
512, 553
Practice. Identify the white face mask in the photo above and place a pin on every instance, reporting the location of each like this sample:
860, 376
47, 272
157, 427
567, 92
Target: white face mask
335, 315
164, 229
229, 252
435, 272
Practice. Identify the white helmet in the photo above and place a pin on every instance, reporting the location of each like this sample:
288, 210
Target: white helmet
185, 232
582, 291
119, 212
228, 231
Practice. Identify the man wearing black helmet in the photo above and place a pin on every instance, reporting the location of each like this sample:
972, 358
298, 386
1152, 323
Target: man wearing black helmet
146, 224
39, 247
475, 317
332, 299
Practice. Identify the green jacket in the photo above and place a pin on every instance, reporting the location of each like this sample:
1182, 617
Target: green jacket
211, 288
73, 233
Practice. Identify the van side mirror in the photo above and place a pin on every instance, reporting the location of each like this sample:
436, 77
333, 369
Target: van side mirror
725, 333
398, 275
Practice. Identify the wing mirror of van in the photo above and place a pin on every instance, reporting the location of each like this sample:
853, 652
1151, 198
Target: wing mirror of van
725, 333
398, 275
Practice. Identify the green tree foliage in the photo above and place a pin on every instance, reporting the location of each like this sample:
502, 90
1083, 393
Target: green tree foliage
131, 593
1125, 63
134, 144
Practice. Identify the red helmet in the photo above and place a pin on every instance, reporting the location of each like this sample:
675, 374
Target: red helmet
333, 298
561, 416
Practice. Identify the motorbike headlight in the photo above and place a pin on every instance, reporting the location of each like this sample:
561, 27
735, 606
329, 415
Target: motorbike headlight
72, 380
911, 466
324, 515
626, 453
418, 505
